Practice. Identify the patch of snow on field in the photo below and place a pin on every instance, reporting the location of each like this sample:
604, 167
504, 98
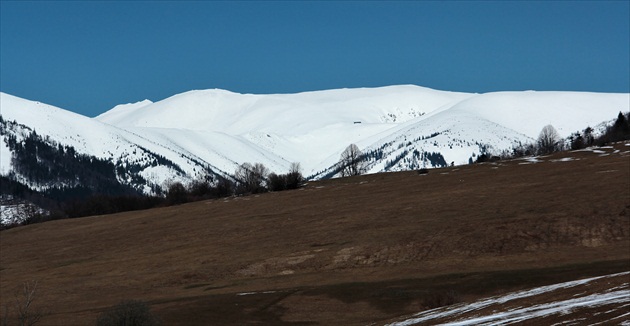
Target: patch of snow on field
617, 295
564, 306
531, 160
565, 159
251, 293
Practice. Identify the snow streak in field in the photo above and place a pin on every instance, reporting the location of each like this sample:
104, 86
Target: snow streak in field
618, 296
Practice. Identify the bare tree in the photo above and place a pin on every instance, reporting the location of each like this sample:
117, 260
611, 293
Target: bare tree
294, 177
351, 161
251, 178
292, 180
26, 314
548, 140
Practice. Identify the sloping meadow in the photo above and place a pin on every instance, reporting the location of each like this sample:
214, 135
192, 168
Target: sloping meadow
347, 251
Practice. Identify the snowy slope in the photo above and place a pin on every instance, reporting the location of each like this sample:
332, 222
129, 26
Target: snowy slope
402, 126
87, 136
290, 114
495, 121
527, 112
313, 128
280, 128
122, 110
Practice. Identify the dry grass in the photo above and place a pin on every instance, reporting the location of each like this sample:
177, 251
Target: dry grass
349, 251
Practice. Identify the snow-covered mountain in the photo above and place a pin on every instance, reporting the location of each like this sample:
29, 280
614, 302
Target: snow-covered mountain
212, 131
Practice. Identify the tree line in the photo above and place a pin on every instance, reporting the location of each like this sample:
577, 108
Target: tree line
248, 179
618, 131
549, 140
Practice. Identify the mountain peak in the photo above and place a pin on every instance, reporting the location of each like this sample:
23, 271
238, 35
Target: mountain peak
122, 109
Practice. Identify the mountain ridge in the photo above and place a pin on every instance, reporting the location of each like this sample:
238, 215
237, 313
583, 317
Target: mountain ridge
213, 131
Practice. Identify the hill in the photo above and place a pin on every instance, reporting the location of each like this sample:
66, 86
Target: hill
343, 251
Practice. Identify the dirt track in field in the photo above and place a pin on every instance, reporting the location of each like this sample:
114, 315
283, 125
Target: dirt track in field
345, 251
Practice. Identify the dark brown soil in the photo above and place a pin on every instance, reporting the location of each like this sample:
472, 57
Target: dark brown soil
347, 251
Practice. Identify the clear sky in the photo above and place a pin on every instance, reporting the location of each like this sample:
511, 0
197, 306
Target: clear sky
90, 56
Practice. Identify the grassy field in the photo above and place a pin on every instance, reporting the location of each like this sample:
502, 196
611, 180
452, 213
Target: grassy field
346, 251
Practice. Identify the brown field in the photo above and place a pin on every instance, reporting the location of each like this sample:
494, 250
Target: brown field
350, 251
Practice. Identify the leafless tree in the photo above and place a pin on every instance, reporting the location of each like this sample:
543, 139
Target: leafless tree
291, 180
548, 140
294, 178
251, 178
351, 161
26, 314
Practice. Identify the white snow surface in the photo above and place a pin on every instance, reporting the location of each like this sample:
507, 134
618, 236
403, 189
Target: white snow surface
122, 110
5, 157
219, 129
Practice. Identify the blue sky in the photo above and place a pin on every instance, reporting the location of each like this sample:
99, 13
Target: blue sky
90, 56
